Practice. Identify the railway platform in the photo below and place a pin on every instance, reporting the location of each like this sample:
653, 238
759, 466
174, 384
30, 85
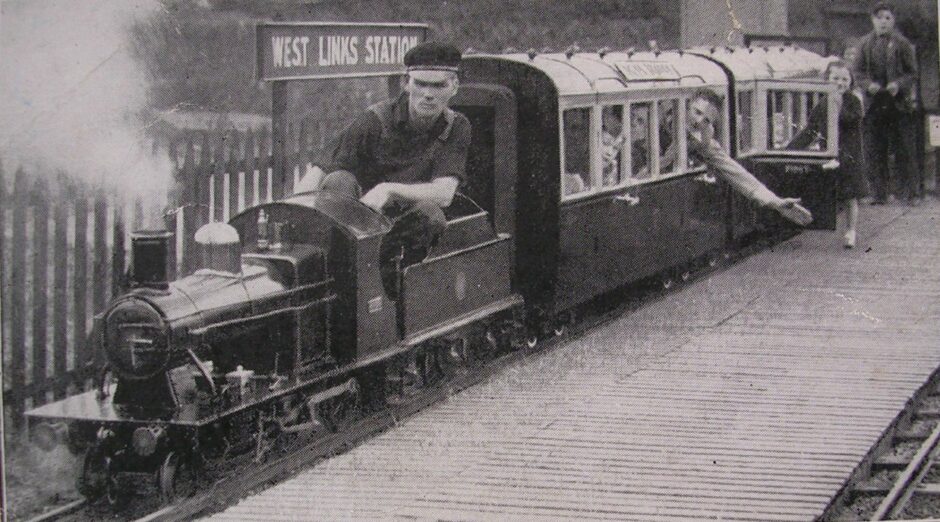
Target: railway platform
750, 393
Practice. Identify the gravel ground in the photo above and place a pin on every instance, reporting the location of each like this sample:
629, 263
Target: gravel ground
37, 481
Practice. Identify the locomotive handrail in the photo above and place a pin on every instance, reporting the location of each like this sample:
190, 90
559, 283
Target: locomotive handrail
202, 331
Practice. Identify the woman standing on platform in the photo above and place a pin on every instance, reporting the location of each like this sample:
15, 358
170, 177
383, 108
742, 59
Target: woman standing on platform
853, 183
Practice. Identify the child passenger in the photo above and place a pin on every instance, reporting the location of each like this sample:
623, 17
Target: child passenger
853, 183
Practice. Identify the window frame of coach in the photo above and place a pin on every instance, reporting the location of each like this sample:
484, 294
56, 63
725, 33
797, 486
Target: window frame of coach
653, 99
643, 205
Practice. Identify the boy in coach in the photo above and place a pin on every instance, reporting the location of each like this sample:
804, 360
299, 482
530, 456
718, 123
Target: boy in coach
886, 68
406, 157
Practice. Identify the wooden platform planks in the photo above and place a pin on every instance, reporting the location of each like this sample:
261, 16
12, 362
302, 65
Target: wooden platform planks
748, 395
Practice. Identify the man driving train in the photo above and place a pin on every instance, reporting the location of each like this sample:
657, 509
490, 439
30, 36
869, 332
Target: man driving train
408, 155
703, 113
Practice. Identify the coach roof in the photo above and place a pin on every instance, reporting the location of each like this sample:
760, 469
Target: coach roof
768, 63
598, 73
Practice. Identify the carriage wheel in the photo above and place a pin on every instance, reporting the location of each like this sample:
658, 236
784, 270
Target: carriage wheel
668, 282
92, 476
532, 340
175, 478
686, 276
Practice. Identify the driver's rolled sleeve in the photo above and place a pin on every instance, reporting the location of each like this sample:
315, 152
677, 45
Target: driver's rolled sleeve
731, 171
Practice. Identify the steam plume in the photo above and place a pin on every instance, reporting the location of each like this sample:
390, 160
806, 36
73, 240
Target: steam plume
72, 93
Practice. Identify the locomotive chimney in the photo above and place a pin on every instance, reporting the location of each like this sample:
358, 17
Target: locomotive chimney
153, 258
219, 247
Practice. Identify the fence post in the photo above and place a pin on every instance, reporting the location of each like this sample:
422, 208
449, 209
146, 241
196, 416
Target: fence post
279, 137
60, 280
118, 252
39, 197
80, 279
265, 163
18, 304
232, 169
218, 175
251, 168
3, 206
194, 202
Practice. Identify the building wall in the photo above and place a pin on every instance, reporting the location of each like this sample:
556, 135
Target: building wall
711, 22
843, 22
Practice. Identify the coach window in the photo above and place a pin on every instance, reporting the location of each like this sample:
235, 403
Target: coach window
613, 137
797, 120
640, 141
668, 111
576, 127
745, 121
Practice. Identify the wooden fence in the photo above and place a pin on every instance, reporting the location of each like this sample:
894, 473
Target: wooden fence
64, 247
63, 256
219, 174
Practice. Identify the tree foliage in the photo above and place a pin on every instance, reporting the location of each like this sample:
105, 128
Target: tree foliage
200, 53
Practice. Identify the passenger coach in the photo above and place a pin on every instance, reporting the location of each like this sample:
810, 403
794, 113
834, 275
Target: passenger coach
585, 223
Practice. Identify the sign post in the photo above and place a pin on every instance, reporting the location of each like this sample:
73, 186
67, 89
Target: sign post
288, 52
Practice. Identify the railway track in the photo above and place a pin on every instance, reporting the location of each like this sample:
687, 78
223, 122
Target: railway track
900, 478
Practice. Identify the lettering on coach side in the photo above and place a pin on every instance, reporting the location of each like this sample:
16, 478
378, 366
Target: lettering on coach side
290, 51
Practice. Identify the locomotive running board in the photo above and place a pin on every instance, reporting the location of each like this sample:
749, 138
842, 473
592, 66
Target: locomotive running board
464, 320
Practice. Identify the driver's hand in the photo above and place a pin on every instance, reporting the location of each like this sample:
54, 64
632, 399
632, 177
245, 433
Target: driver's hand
378, 197
873, 88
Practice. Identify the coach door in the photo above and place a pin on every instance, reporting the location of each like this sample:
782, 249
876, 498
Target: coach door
608, 219
795, 140
703, 193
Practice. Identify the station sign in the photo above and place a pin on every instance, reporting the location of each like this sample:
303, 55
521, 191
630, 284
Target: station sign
312, 50
648, 71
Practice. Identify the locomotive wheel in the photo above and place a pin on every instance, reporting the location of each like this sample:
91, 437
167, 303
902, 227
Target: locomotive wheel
115, 492
532, 340
686, 276
175, 479
92, 476
268, 438
668, 282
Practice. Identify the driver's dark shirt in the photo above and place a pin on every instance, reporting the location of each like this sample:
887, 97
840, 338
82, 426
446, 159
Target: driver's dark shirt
381, 145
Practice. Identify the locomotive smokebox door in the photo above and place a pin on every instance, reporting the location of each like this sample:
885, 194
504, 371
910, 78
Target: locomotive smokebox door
153, 258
